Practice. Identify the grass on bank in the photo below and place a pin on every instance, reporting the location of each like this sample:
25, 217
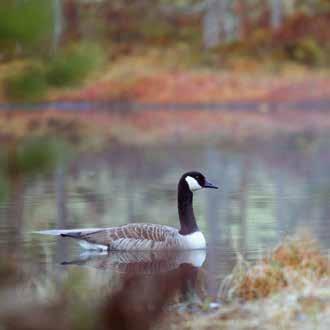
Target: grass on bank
288, 289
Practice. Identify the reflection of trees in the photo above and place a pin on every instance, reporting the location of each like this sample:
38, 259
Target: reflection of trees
61, 206
21, 162
212, 218
14, 214
135, 187
58, 23
242, 202
265, 191
281, 209
300, 176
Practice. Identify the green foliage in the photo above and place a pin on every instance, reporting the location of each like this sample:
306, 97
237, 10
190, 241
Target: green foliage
68, 68
73, 65
29, 85
36, 155
290, 44
4, 187
307, 51
33, 156
316, 6
25, 23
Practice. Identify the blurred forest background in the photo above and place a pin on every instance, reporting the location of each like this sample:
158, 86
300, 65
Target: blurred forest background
52, 45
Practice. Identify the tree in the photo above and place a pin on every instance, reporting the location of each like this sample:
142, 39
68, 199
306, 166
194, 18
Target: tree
58, 24
215, 22
25, 26
276, 13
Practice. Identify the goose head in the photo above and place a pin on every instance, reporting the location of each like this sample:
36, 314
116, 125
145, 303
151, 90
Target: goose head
195, 181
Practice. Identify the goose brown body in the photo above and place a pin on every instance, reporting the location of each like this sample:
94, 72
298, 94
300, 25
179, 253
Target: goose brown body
133, 236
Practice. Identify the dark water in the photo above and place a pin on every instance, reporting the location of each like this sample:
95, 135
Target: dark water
307, 104
267, 190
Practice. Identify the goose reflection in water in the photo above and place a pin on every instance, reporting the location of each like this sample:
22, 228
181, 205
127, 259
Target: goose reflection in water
151, 281
140, 262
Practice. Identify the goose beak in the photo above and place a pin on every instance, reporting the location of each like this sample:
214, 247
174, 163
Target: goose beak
210, 185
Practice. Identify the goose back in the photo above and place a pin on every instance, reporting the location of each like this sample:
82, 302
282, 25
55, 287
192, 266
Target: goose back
134, 236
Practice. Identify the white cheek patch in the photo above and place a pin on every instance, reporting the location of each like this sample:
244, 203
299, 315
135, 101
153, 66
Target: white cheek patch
193, 183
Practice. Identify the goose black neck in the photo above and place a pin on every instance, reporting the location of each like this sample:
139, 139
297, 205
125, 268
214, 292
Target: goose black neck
185, 208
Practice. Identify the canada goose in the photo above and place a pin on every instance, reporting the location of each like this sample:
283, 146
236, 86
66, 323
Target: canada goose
142, 236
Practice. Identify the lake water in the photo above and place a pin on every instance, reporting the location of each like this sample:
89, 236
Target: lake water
267, 191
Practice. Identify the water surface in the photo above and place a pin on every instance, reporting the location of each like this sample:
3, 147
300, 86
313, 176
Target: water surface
267, 190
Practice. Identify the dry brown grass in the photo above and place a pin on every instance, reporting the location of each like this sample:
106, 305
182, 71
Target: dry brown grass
294, 261
289, 289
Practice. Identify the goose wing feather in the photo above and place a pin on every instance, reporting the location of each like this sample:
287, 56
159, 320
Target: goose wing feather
134, 236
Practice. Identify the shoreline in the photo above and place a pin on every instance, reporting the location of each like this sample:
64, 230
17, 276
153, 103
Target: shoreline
92, 128
136, 102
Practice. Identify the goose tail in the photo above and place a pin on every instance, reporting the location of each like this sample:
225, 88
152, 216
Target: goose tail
66, 232
76, 235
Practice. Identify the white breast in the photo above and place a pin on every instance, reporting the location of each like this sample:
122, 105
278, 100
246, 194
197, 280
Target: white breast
193, 257
193, 241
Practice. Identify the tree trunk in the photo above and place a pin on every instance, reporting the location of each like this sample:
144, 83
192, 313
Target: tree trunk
276, 16
243, 18
214, 24
57, 24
